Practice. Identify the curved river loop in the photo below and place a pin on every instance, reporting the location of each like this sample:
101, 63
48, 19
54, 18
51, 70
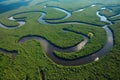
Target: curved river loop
50, 47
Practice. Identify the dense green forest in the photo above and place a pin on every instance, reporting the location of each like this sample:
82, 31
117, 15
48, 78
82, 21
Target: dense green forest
33, 30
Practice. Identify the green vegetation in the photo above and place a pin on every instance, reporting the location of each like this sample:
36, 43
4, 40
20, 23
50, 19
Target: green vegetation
90, 34
53, 33
86, 16
4, 20
32, 63
27, 63
53, 14
107, 12
116, 18
96, 42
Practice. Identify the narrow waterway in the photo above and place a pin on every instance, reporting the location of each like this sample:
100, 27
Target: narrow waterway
20, 24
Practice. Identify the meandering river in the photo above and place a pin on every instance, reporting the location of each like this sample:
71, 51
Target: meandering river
50, 47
